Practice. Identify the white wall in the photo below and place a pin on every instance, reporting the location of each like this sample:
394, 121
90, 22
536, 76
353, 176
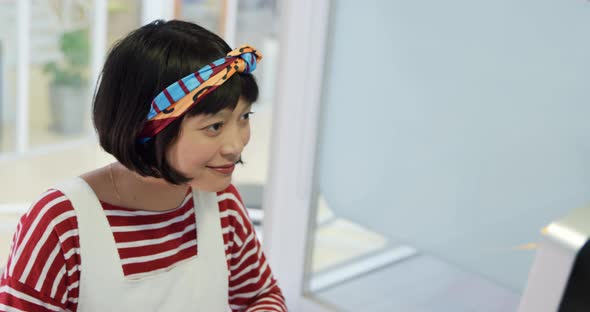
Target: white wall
460, 127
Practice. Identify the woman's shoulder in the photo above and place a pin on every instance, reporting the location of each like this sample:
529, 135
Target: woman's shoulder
231, 198
232, 208
44, 231
42, 227
50, 206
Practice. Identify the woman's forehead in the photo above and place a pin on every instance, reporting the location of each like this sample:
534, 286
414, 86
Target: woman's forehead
243, 104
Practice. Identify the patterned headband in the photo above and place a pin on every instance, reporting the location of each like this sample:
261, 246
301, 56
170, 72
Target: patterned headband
180, 96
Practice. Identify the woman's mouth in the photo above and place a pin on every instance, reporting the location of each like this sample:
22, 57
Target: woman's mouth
224, 170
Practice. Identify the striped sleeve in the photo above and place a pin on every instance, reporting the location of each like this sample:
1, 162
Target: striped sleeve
252, 286
42, 272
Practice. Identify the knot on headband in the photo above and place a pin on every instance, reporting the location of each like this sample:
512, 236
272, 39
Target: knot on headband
180, 96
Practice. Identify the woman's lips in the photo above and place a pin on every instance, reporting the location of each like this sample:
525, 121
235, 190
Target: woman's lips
225, 170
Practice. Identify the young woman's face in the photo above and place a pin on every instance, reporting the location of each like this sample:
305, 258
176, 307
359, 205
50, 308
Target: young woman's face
208, 147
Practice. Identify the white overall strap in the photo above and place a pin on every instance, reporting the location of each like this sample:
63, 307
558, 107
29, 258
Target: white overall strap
97, 243
212, 268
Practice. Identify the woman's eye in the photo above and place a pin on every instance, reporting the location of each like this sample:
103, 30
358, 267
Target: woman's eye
215, 127
246, 116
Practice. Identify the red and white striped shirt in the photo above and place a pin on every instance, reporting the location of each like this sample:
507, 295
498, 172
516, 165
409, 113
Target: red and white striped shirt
44, 267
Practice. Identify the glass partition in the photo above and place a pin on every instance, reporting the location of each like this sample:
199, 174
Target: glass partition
448, 141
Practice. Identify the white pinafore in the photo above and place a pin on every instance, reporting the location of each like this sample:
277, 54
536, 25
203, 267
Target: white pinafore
199, 284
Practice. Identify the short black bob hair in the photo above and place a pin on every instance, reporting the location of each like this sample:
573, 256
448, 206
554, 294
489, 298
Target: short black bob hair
140, 66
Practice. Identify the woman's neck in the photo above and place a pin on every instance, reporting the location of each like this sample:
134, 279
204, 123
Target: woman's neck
144, 193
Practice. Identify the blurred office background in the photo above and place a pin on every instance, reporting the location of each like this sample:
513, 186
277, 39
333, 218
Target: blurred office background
449, 133
51, 53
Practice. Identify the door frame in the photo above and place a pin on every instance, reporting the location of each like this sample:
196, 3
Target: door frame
288, 197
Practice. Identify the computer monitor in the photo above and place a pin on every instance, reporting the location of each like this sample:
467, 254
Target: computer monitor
559, 279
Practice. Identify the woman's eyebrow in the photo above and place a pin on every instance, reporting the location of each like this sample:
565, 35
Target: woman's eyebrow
202, 120
220, 114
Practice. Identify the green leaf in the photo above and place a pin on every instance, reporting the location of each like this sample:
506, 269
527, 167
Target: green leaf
75, 48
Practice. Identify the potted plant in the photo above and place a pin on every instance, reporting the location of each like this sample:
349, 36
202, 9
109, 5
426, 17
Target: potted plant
69, 90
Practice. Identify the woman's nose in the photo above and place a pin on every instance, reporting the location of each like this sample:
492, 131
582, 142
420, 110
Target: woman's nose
234, 143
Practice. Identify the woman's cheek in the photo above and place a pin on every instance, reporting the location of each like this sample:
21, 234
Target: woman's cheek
246, 136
